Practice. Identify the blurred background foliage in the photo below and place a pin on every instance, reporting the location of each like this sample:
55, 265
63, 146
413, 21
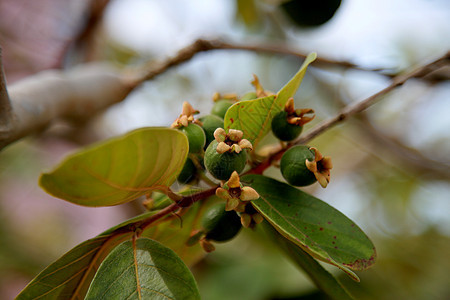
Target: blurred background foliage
391, 164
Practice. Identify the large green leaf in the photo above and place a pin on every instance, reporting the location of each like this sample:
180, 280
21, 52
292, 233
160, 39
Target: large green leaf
70, 276
254, 117
143, 269
177, 229
321, 277
120, 169
312, 224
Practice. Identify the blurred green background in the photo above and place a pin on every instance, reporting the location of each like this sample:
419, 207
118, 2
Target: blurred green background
391, 164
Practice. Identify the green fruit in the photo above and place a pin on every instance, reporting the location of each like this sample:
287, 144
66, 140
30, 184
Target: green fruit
293, 167
310, 13
196, 137
221, 225
220, 107
188, 172
222, 165
210, 124
249, 96
282, 129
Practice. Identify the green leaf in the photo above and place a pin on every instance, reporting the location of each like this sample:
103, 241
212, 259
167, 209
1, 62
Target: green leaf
254, 117
143, 269
289, 90
70, 276
321, 277
319, 229
176, 231
120, 169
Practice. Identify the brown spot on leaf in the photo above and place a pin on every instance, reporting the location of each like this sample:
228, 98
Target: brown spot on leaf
321, 228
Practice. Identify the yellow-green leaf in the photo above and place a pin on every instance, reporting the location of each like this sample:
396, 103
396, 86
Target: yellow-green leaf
120, 169
254, 117
289, 90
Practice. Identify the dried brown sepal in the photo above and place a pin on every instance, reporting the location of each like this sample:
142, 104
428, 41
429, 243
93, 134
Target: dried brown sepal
235, 194
229, 96
207, 245
186, 117
195, 237
257, 218
246, 220
260, 92
231, 141
231, 204
297, 116
321, 167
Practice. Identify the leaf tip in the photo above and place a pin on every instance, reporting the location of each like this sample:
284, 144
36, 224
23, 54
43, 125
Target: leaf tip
363, 263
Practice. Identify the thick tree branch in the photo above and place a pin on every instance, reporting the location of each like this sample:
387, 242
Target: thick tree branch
76, 94
6, 116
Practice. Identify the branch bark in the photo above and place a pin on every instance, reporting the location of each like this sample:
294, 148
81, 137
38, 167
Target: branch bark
76, 94
6, 115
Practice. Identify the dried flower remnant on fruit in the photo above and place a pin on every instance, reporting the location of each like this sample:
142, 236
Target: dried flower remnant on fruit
260, 92
297, 116
186, 117
230, 96
231, 142
250, 217
321, 167
207, 246
236, 195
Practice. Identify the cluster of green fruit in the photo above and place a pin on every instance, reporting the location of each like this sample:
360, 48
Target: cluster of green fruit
203, 143
224, 155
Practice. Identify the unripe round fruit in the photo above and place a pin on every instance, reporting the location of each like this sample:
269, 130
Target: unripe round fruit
221, 165
196, 137
188, 172
220, 107
310, 13
249, 96
210, 124
221, 225
293, 167
282, 129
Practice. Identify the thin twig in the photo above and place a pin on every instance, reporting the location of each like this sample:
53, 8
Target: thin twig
201, 45
351, 110
358, 107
